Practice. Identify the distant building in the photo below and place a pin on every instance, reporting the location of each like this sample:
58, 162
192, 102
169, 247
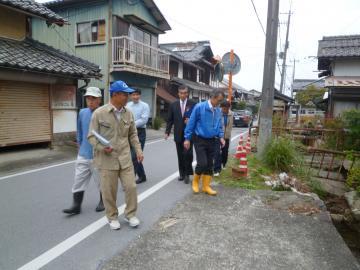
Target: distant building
38, 83
301, 84
191, 64
339, 59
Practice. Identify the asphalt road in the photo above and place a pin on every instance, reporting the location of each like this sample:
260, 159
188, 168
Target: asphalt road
34, 233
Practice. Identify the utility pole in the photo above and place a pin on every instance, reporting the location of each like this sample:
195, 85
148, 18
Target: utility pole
293, 79
267, 96
282, 83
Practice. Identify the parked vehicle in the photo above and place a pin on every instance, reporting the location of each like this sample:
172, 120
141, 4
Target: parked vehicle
242, 118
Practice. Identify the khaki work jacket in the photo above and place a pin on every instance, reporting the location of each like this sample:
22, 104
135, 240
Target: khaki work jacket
229, 126
121, 134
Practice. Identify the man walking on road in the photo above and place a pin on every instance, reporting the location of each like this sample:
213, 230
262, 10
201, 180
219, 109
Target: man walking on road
205, 127
221, 153
116, 124
84, 169
179, 114
141, 112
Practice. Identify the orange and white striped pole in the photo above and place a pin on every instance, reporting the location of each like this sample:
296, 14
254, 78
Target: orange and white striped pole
243, 164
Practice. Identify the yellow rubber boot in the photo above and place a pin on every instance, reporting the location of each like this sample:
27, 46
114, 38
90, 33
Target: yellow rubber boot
206, 185
195, 183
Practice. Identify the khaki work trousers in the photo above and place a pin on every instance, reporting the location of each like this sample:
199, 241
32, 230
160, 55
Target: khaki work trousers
109, 187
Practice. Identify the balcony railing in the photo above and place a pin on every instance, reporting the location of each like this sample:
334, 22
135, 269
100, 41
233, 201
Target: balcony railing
128, 51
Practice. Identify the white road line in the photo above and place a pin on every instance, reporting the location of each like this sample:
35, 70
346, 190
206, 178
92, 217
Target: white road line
37, 170
73, 240
57, 165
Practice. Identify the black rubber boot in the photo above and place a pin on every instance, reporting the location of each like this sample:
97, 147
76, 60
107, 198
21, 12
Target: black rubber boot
76, 207
100, 207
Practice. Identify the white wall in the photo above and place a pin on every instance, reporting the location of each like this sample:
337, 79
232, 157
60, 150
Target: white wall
64, 121
346, 68
181, 70
340, 106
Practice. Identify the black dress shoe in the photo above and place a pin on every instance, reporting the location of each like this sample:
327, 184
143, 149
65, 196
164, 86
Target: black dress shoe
181, 178
140, 180
187, 180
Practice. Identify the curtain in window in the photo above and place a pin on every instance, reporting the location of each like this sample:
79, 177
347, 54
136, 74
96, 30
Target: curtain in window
84, 33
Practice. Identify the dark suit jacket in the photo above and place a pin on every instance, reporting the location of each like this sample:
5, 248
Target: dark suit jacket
175, 118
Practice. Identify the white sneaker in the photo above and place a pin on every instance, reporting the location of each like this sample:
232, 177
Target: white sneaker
216, 174
133, 221
114, 224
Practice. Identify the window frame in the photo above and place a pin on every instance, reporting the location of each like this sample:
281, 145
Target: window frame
91, 42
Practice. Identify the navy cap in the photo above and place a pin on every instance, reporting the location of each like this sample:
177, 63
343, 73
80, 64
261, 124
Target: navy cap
120, 86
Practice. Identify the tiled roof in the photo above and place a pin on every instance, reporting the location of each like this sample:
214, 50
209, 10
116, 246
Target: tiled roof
34, 8
302, 84
34, 56
339, 46
193, 85
191, 51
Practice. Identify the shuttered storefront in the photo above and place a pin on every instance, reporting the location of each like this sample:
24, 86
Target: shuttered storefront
24, 113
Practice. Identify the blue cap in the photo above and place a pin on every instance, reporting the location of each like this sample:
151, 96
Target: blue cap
120, 86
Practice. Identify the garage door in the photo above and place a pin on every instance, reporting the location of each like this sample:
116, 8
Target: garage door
24, 113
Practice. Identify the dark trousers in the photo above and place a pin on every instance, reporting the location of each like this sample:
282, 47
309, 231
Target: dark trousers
221, 154
138, 166
185, 159
205, 153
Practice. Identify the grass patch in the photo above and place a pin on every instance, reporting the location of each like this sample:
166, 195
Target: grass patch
254, 180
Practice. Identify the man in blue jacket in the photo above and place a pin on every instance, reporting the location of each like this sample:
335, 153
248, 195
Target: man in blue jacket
84, 168
204, 128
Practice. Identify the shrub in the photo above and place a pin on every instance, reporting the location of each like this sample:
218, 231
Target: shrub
353, 179
352, 123
334, 140
280, 154
158, 121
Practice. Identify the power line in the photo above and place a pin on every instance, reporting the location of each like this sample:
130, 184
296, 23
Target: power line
63, 39
257, 15
262, 27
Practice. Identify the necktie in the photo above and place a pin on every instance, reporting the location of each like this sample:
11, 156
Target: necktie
182, 108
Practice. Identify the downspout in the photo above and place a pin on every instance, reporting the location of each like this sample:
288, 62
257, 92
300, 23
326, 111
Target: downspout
110, 22
82, 88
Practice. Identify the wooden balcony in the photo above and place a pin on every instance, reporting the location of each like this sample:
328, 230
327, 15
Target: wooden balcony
133, 56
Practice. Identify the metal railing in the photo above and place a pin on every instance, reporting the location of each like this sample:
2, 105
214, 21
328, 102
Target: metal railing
333, 165
128, 51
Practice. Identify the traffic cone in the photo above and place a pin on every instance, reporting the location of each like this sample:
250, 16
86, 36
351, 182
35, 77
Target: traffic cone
248, 145
241, 141
239, 152
243, 164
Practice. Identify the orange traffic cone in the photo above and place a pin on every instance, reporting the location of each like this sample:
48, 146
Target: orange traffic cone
239, 151
241, 141
243, 164
248, 145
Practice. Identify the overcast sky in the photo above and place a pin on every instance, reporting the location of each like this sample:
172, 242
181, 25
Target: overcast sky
232, 24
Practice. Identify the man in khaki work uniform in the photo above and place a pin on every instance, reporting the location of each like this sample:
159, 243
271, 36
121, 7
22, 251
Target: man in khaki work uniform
116, 124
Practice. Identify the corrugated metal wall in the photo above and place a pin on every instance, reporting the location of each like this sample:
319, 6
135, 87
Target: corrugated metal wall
121, 8
64, 38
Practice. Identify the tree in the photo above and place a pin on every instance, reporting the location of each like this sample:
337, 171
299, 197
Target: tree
239, 105
311, 96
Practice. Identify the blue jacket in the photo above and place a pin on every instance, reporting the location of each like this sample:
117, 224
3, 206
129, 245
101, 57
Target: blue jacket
205, 123
83, 124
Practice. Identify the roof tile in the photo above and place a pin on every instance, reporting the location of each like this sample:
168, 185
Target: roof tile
35, 56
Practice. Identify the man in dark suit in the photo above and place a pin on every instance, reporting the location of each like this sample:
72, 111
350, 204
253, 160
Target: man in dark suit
179, 114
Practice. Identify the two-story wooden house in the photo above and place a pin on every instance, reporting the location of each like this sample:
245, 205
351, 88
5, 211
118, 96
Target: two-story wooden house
37, 82
339, 60
121, 36
191, 64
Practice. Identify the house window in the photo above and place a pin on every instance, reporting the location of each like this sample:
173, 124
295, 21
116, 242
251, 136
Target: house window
91, 32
